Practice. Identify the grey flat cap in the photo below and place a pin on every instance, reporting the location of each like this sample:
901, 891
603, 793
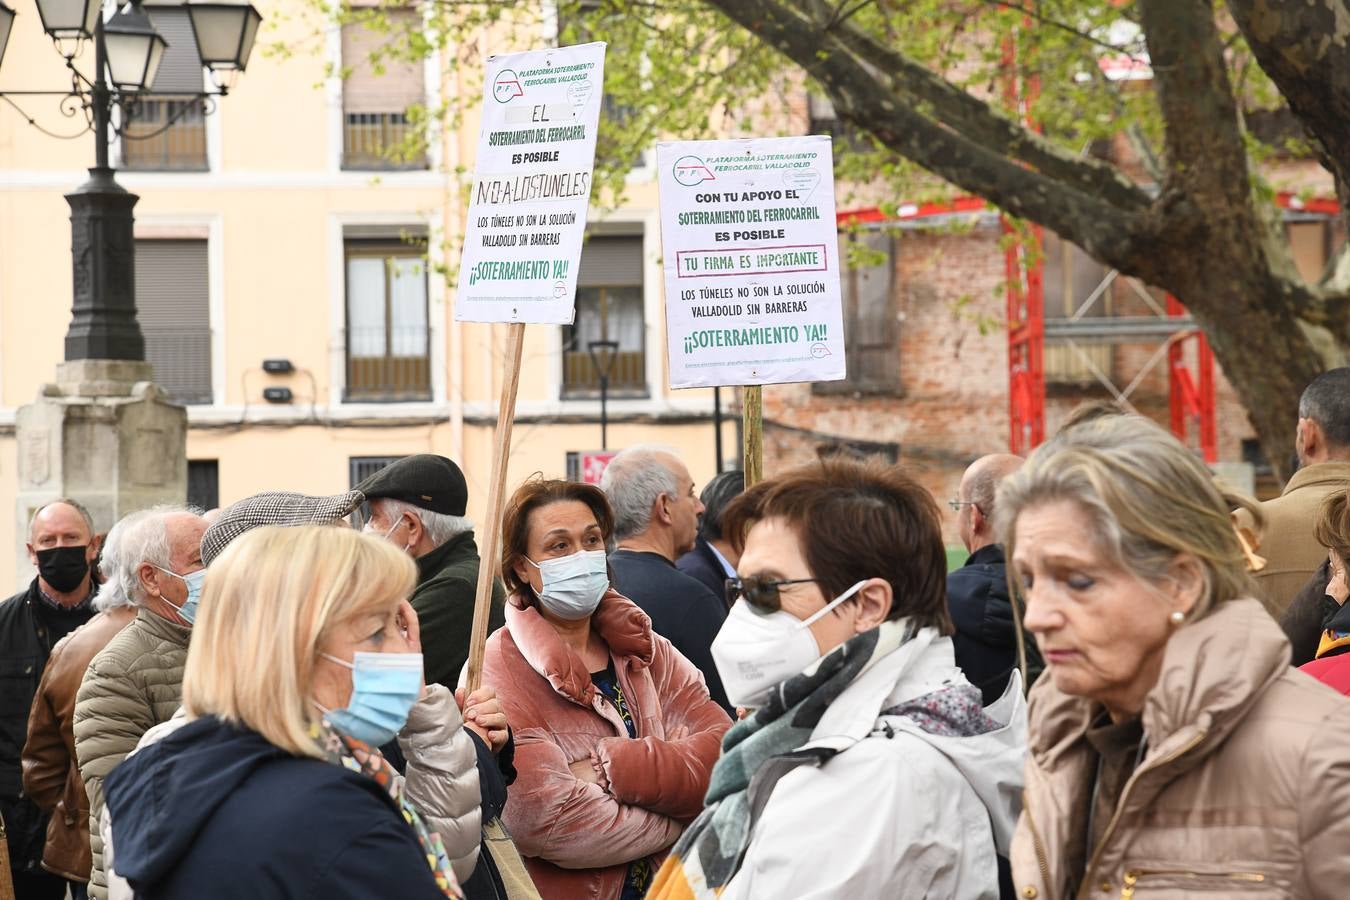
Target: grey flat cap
274, 508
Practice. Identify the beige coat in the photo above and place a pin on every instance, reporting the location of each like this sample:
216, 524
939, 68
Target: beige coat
1286, 540
130, 687
1242, 792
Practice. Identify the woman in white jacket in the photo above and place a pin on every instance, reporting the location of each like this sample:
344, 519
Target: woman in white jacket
868, 767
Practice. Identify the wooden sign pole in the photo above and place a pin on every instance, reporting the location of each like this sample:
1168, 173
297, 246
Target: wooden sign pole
752, 412
491, 532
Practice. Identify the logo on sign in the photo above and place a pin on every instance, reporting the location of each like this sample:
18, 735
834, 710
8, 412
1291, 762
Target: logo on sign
690, 170
506, 86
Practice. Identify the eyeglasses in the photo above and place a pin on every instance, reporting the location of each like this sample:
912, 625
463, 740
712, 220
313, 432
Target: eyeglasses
956, 503
760, 592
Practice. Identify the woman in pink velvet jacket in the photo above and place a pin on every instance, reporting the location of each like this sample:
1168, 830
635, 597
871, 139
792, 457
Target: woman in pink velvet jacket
615, 732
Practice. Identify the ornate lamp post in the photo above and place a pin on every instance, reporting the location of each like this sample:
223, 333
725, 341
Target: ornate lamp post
127, 53
603, 354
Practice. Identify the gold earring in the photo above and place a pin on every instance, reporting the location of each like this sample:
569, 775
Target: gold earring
1178, 617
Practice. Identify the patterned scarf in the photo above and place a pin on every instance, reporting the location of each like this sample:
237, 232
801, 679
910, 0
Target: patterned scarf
356, 756
710, 852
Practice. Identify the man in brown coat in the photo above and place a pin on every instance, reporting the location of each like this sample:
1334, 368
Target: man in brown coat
1323, 446
51, 777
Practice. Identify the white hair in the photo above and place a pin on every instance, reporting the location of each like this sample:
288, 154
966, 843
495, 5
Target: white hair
145, 539
113, 592
633, 480
438, 526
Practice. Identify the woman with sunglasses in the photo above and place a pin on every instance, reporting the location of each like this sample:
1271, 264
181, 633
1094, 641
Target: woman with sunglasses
868, 767
615, 732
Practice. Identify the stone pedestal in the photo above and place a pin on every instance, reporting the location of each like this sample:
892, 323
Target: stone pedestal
105, 435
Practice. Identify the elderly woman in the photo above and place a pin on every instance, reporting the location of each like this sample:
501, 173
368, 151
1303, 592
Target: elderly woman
869, 767
304, 659
1173, 751
615, 732
1332, 531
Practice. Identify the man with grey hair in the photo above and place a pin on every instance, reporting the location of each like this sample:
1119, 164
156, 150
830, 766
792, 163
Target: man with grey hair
1322, 444
136, 681
62, 545
419, 503
51, 776
656, 516
977, 593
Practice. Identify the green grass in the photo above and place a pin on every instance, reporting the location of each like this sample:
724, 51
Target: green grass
956, 557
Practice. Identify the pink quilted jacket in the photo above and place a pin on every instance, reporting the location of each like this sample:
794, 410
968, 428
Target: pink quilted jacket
578, 838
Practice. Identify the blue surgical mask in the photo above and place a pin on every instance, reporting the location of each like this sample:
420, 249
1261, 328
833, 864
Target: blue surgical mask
384, 688
573, 585
193, 580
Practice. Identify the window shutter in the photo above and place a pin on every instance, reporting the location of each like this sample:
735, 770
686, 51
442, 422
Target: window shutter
610, 262
874, 316
398, 86
180, 69
174, 308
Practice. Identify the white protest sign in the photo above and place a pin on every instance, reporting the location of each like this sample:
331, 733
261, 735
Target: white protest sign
751, 260
531, 186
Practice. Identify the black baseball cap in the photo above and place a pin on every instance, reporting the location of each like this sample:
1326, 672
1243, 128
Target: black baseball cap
426, 481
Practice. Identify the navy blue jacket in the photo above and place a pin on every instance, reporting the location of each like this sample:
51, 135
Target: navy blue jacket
986, 643
682, 610
214, 812
702, 563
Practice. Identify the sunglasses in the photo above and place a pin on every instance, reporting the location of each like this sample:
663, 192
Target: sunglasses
761, 593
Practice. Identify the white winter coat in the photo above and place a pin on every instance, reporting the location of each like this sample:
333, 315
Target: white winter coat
898, 813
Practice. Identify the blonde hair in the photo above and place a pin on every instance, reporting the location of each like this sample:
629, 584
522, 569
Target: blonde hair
1331, 528
1149, 498
271, 601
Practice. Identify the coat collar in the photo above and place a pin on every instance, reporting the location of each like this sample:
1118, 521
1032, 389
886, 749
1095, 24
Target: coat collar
1200, 696
162, 628
623, 626
988, 555
1327, 473
460, 546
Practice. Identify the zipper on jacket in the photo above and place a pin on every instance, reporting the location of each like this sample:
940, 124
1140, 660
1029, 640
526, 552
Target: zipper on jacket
1036, 843
1091, 869
1132, 877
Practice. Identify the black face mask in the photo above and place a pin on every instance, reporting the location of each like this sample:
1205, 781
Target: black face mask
63, 567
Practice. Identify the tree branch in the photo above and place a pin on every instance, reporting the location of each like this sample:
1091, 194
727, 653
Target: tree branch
952, 106
1305, 49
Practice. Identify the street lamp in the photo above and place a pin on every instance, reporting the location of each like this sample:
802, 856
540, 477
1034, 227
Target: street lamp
6, 25
134, 49
225, 33
603, 354
127, 54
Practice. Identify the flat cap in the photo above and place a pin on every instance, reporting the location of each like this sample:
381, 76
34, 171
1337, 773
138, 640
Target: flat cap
426, 480
274, 508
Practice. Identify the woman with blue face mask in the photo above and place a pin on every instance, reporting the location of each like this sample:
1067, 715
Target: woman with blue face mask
615, 732
305, 659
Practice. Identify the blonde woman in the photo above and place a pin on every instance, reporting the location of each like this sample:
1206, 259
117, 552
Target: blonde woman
304, 659
1173, 753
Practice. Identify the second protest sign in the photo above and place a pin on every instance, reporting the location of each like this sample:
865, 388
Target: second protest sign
751, 255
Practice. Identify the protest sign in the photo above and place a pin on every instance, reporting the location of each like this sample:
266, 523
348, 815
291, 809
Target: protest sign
522, 247
532, 186
751, 255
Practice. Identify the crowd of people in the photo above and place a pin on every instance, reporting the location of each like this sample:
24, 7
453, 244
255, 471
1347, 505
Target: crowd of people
1136, 684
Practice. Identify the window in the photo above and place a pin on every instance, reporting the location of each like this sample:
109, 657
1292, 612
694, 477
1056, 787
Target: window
609, 308
847, 448
173, 306
376, 94
871, 329
1070, 277
388, 336
359, 468
167, 132
203, 487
